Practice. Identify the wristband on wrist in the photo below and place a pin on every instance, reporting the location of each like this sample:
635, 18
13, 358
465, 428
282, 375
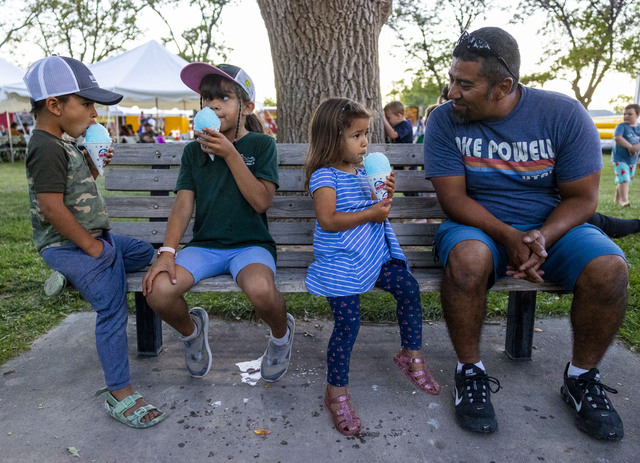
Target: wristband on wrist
167, 249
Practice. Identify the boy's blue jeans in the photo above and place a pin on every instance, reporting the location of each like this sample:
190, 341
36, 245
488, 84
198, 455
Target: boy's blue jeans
102, 281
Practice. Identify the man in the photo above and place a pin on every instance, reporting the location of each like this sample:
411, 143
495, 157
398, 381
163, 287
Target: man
517, 170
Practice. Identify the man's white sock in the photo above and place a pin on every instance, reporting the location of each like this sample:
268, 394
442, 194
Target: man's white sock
574, 372
479, 365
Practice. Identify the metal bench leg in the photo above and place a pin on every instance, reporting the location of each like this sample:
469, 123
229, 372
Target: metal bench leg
149, 328
520, 320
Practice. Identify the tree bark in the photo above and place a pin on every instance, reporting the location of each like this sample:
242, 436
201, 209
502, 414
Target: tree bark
323, 49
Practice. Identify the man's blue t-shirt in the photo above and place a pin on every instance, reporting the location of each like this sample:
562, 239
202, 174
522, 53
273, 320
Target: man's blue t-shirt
632, 135
512, 166
404, 130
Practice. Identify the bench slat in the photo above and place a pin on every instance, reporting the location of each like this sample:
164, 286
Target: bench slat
408, 234
147, 154
292, 281
283, 207
291, 180
169, 154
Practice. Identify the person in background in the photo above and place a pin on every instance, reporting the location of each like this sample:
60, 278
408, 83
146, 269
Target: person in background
15, 131
624, 155
143, 120
147, 129
444, 95
147, 138
127, 131
397, 128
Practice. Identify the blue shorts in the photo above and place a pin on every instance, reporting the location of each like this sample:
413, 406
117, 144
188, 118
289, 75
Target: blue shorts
624, 172
566, 258
208, 262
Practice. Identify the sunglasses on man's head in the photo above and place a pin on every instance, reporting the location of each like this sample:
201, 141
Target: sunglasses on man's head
478, 44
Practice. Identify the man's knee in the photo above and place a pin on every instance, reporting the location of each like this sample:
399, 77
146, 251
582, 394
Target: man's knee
606, 276
469, 264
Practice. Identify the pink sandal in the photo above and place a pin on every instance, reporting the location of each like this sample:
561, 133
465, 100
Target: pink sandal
422, 379
344, 419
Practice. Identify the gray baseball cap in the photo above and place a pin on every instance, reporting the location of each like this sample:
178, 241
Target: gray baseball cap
193, 73
61, 75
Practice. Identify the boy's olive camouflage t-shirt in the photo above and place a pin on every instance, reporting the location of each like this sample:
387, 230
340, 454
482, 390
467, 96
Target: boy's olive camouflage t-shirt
56, 166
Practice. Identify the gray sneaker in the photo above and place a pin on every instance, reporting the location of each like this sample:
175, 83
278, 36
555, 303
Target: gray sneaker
197, 353
275, 360
55, 284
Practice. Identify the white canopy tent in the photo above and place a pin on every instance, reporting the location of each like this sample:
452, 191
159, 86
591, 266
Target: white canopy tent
147, 76
118, 110
10, 79
9, 74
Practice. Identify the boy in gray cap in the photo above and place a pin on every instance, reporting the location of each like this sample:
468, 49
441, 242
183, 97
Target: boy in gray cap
70, 222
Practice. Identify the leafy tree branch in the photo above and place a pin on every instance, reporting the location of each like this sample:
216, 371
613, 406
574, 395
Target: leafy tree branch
585, 40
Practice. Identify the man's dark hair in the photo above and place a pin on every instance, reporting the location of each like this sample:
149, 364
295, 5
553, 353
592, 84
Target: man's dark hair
503, 45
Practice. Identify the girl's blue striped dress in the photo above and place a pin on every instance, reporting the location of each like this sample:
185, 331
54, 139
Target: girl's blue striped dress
349, 262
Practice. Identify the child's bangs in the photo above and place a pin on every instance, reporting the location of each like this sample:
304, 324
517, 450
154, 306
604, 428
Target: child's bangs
214, 86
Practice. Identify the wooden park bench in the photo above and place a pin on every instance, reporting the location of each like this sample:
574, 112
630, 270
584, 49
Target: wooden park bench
153, 169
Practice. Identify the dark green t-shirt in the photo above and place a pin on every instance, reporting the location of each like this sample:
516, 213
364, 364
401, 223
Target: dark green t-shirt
224, 218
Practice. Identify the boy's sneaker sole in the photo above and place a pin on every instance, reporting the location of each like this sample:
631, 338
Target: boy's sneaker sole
55, 284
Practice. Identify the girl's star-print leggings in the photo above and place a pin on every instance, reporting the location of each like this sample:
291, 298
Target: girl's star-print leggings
395, 279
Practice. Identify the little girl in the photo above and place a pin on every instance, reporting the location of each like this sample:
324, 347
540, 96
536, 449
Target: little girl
231, 192
355, 248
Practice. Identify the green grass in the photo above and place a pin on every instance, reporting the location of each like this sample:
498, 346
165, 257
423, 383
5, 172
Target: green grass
26, 313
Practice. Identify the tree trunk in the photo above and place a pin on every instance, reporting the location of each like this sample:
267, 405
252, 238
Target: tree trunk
323, 49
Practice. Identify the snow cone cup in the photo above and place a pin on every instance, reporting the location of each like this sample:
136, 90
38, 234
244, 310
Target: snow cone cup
376, 182
97, 152
378, 169
206, 118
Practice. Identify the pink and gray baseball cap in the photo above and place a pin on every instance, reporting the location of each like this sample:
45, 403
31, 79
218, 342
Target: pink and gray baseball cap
61, 75
193, 73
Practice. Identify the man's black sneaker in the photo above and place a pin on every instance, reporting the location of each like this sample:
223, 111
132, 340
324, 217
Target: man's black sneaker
596, 415
472, 394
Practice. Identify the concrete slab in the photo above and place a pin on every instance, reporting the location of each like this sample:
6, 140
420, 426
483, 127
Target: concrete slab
46, 403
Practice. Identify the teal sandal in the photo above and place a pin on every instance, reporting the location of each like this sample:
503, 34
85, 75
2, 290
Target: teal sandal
117, 410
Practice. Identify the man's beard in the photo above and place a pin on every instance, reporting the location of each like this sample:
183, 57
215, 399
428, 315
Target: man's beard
460, 117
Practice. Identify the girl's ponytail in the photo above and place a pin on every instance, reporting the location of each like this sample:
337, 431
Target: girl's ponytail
253, 124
